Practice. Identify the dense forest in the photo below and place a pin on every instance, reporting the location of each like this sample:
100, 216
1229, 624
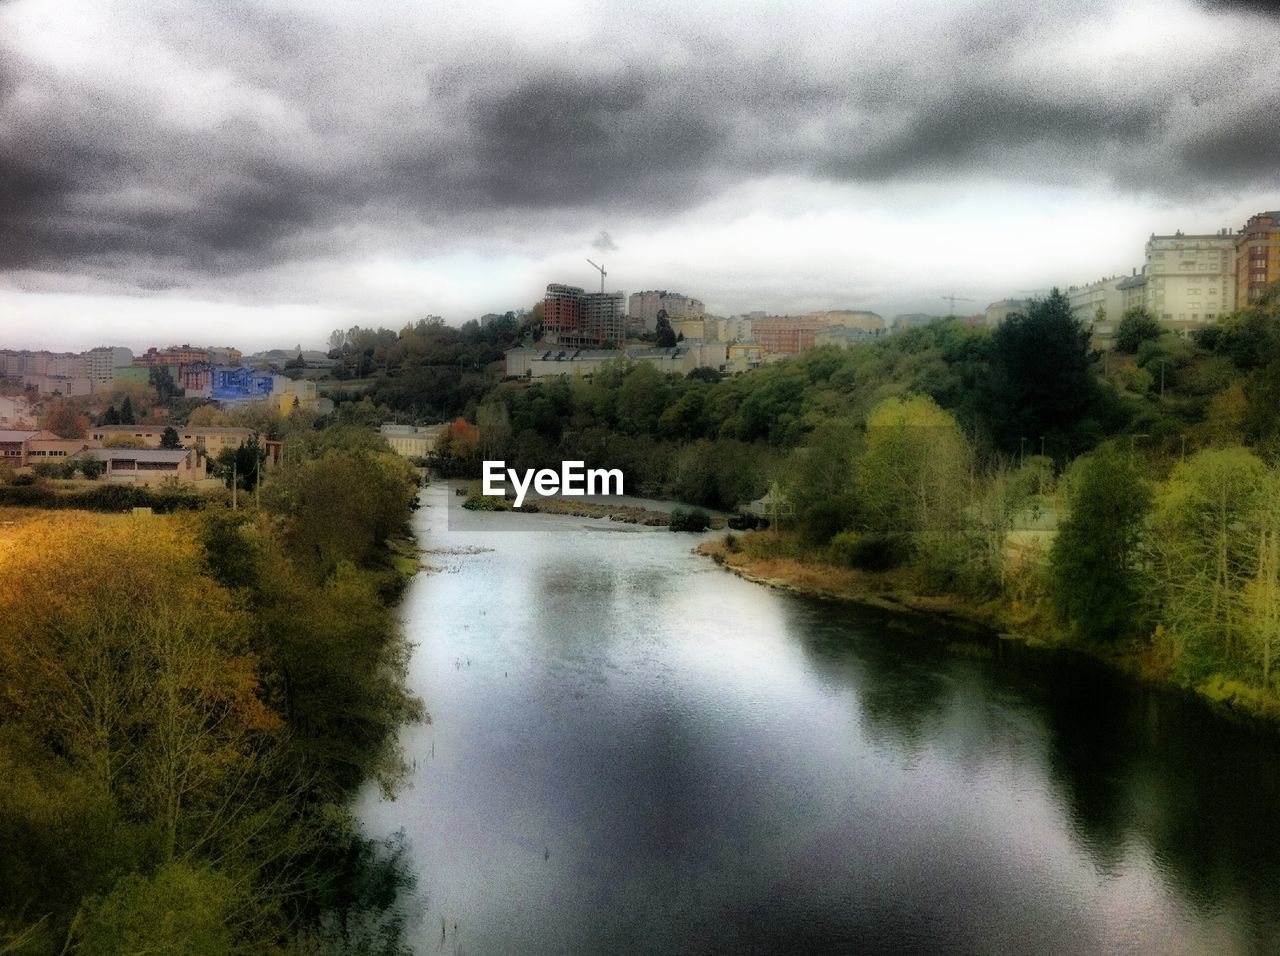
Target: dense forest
187, 702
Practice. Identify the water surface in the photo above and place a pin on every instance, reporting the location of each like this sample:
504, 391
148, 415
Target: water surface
636, 752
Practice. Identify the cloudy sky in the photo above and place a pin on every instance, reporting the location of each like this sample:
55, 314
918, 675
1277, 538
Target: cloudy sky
259, 173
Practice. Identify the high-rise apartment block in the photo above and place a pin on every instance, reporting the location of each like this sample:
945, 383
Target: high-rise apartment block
1191, 280
1257, 257
580, 319
645, 306
101, 362
1103, 297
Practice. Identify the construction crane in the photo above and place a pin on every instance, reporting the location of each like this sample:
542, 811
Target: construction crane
953, 299
602, 274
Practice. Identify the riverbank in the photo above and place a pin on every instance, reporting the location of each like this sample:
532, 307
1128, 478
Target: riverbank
627, 514
1028, 622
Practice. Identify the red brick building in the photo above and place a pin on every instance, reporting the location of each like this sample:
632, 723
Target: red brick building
786, 334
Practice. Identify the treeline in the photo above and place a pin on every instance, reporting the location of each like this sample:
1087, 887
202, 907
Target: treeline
429, 369
187, 703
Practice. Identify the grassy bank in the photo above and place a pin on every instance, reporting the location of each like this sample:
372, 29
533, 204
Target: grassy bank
782, 561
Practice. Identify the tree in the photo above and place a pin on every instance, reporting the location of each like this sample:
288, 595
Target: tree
169, 438
65, 420
664, 337
1137, 325
111, 416
126, 412
92, 468
1207, 531
913, 482
161, 380
1041, 384
1095, 578
181, 909
242, 464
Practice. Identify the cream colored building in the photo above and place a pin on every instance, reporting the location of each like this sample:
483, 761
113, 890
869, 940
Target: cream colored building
552, 363
998, 312
1105, 294
690, 328
871, 322
1191, 280
209, 439
411, 441
645, 306
151, 466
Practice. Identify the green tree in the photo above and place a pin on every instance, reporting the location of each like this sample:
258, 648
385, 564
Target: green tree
169, 438
181, 910
913, 483
1206, 534
1041, 384
161, 380
127, 416
1095, 576
664, 337
1136, 326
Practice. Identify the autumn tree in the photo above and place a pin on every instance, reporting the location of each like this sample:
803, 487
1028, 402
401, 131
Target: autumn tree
64, 419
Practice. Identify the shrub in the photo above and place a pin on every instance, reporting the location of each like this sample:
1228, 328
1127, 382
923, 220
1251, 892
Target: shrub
694, 520
870, 552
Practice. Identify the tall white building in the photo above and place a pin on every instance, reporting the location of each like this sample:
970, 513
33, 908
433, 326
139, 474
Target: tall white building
99, 362
1191, 280
645, 306
1105, 294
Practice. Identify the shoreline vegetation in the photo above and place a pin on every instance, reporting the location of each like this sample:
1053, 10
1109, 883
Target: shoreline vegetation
626, 514
782, 562
190, 698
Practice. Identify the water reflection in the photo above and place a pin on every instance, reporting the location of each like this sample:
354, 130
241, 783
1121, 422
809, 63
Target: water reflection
636, 752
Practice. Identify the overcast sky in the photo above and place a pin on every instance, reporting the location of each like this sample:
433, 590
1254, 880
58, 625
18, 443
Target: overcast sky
260, 173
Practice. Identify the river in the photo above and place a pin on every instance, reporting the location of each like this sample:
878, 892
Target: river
633, 751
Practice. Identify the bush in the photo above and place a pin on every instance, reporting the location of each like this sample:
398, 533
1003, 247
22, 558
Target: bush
478, 502
870, 552
54, 469
695, 520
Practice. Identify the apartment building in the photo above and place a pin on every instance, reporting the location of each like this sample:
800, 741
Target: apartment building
575, 318
787, 335
1104, 294
869, 322
1133, 292
1191, 279
1257, 257
100, 363
645, 306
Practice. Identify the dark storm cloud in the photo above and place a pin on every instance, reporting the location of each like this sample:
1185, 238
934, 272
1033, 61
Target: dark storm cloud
344, 138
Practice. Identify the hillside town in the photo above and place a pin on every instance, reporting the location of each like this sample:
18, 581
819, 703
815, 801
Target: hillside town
138, 418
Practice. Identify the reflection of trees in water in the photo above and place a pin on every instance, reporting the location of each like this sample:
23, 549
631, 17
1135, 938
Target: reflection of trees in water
900, 692
1134, 766
369, 906
1197, 793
